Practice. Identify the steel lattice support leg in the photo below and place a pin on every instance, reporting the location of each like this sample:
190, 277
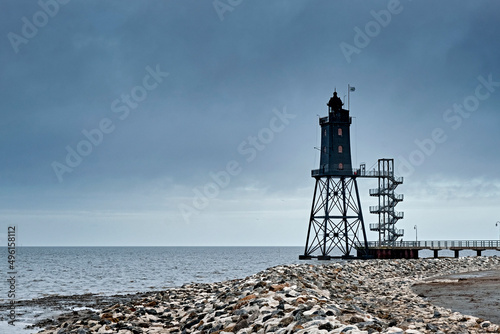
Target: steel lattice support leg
336, 223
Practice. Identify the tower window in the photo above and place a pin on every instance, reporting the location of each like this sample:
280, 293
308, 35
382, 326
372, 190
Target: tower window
324, 133
341, 166
340, 148
340, 132
324, 149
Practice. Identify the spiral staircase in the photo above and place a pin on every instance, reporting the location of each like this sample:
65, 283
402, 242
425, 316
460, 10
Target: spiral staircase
388, 199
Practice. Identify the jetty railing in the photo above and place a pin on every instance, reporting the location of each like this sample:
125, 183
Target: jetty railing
438, 245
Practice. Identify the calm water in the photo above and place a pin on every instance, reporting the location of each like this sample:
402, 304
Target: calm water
46, 271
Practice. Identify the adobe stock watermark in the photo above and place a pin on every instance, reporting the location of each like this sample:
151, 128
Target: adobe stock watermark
30, 27
454, 117
224, 6
11, 274
372, 29
121, 107
249, 150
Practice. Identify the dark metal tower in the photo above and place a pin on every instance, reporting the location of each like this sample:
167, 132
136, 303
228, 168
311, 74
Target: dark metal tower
336, 223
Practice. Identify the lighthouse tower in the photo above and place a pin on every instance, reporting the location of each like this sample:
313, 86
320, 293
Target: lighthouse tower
336, 226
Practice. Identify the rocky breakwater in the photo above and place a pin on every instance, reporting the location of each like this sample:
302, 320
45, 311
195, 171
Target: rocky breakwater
339, 297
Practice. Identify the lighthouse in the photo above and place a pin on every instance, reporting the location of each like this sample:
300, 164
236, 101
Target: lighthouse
335, 140
336, 226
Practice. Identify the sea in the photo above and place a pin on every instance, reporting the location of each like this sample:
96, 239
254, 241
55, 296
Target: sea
65, 271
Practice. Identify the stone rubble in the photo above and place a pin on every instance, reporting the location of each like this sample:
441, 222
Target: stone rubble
372, 296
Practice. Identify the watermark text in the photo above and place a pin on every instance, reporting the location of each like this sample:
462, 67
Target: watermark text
11, 274
30, 27
95, 137
373, 28
249, 150
454, 117
225, 6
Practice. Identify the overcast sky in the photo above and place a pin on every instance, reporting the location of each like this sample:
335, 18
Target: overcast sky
194, 122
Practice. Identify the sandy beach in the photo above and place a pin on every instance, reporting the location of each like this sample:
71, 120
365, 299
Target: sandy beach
476, 293
376, 296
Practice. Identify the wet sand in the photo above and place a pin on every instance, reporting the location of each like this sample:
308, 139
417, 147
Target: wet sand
473, 293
